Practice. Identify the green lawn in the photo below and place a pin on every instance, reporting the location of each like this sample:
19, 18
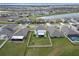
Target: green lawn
5, 22
61, 47
1, 41
39, 40
38, 51
58, 44
13, 49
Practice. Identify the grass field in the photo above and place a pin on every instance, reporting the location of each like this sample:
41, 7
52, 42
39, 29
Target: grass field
61, 46
39, 40
38, 51
13, 49
3, 22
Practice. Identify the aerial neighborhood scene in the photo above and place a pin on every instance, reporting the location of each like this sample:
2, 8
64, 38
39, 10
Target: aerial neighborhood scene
39, 29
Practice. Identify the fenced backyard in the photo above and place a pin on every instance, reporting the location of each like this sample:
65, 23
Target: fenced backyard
34, 41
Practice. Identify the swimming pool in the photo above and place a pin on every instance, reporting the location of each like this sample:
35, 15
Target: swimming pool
74, 37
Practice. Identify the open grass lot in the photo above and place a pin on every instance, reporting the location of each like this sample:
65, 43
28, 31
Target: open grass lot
2, 22
39, 40
61, 46
38, 51
14, 49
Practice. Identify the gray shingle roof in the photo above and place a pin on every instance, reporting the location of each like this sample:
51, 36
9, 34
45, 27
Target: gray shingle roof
11, 26
40, 27
22, 32
72, 32
54, 31
67, 30
77, 26
6, 32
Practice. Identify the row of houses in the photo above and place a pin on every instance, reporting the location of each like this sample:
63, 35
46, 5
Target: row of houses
20, 35
72, 17
68, 30
55, 31
8, 30
15, 33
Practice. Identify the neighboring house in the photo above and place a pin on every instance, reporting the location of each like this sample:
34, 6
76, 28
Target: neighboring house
61, 17
25, 21
72, 32
68, 31
11, 27
40, 31
20, 35
54, 31
8, 30
5, 33
76, 26
65, 29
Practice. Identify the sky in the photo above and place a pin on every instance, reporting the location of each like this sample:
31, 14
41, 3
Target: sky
39, 3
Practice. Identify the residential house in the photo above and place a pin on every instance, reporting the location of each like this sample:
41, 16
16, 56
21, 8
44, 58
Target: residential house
8, 30
55, 31
68, 30
40, 30
20, 35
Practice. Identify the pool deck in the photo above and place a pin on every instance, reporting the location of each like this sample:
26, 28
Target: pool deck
75, 42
